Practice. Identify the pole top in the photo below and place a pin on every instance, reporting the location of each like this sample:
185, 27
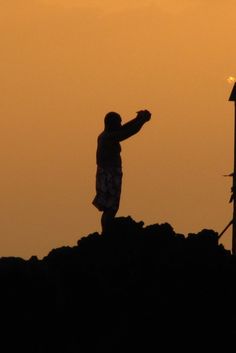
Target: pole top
233, 94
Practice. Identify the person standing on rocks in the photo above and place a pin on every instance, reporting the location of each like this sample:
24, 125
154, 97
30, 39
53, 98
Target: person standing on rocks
109, 163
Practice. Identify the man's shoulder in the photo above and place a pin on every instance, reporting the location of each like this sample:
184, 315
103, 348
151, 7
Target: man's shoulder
105, 136
101, 136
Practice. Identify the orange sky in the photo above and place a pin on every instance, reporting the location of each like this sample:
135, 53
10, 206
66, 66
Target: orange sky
64, 64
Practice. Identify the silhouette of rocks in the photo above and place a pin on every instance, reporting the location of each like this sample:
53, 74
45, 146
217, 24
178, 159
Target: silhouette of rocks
134, 287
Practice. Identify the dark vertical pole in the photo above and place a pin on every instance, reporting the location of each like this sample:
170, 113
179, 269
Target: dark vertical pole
234, 187
232, 98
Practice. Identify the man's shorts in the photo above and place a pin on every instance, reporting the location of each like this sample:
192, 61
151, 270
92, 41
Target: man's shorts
108, 188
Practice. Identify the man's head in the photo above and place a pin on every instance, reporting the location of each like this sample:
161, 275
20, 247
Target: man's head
112, 121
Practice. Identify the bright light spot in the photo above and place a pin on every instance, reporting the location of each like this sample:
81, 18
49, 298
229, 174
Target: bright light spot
231, 79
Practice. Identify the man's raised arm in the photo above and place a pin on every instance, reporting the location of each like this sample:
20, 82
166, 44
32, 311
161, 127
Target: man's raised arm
133, 126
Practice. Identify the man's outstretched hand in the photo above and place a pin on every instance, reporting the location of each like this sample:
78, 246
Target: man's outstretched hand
144, 114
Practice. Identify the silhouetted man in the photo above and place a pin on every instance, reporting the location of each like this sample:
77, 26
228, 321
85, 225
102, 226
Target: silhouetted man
109, 165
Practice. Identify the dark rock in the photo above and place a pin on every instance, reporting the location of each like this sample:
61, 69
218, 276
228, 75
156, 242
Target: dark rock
134, 288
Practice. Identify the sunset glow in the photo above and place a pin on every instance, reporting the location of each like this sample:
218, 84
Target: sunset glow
231, 79
64, 65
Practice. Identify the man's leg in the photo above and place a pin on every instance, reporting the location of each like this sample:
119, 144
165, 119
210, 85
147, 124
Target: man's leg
107, 219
